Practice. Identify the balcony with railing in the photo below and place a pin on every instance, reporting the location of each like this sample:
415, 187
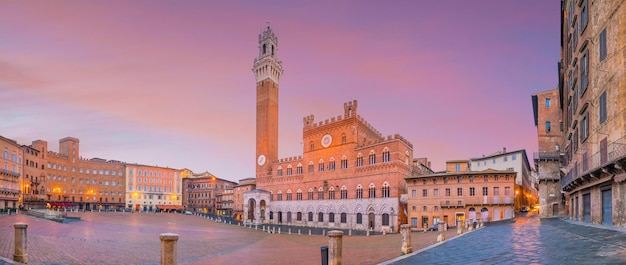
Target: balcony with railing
546, 156
9, 191
9, 173
585, 167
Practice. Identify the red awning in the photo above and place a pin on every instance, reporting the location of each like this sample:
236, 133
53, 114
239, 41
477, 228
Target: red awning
60, 204
169, 207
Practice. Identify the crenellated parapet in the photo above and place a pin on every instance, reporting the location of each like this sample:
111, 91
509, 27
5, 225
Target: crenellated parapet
290, 159
267, 65
308, 121
349, 108
388, 138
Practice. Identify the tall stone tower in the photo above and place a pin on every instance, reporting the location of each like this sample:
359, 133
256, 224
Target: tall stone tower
267, 70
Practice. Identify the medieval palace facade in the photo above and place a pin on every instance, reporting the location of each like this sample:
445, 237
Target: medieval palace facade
349, 175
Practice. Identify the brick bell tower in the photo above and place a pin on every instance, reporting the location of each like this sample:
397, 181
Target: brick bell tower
267, 70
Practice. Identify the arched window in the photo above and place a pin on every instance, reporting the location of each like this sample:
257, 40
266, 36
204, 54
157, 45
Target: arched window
299, 216
310, 216
311, 167
386, 155
344, 162
331, 164
436, 208
299, 169
372, 190
344, 192
312, 145
331, 193
385, 189
320, 217
344, 218
385, 219
310, 193
359, 192
289, 170
264, 48
425, 208
372, 157
331, 217
320, 193
359, 160
289, 195
343, 138
279, 196
320, 165
279, 172
359, 218
299, 195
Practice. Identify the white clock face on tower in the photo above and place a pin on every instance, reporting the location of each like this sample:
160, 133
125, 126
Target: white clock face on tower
261, 160
326, 140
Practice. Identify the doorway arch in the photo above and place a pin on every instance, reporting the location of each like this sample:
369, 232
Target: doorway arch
251, 208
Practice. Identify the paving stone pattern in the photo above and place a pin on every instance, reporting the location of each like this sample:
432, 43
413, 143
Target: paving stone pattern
530, 240
133, 238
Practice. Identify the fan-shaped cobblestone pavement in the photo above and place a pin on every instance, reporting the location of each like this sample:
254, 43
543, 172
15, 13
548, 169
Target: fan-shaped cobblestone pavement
133, 238
529, 240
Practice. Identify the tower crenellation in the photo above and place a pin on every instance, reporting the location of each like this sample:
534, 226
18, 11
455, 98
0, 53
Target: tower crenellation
349, 108
267, 66
308, 122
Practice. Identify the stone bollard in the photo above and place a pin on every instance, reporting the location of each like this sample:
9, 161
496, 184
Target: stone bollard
309, 231
405, 229
263, 228
334, 247
459, 227
350, 232
442, 235
20, 254
256, 227
274, 230
290, 231
323, 232
168, 248
367, 233
299, 231
384, 232
279, 230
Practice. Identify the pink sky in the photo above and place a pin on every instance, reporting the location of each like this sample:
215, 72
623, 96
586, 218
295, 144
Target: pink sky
169, 83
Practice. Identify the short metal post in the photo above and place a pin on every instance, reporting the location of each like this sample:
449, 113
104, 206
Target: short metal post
324, 250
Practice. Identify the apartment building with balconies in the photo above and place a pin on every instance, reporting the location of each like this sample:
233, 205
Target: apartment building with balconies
459, 194
592, 94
